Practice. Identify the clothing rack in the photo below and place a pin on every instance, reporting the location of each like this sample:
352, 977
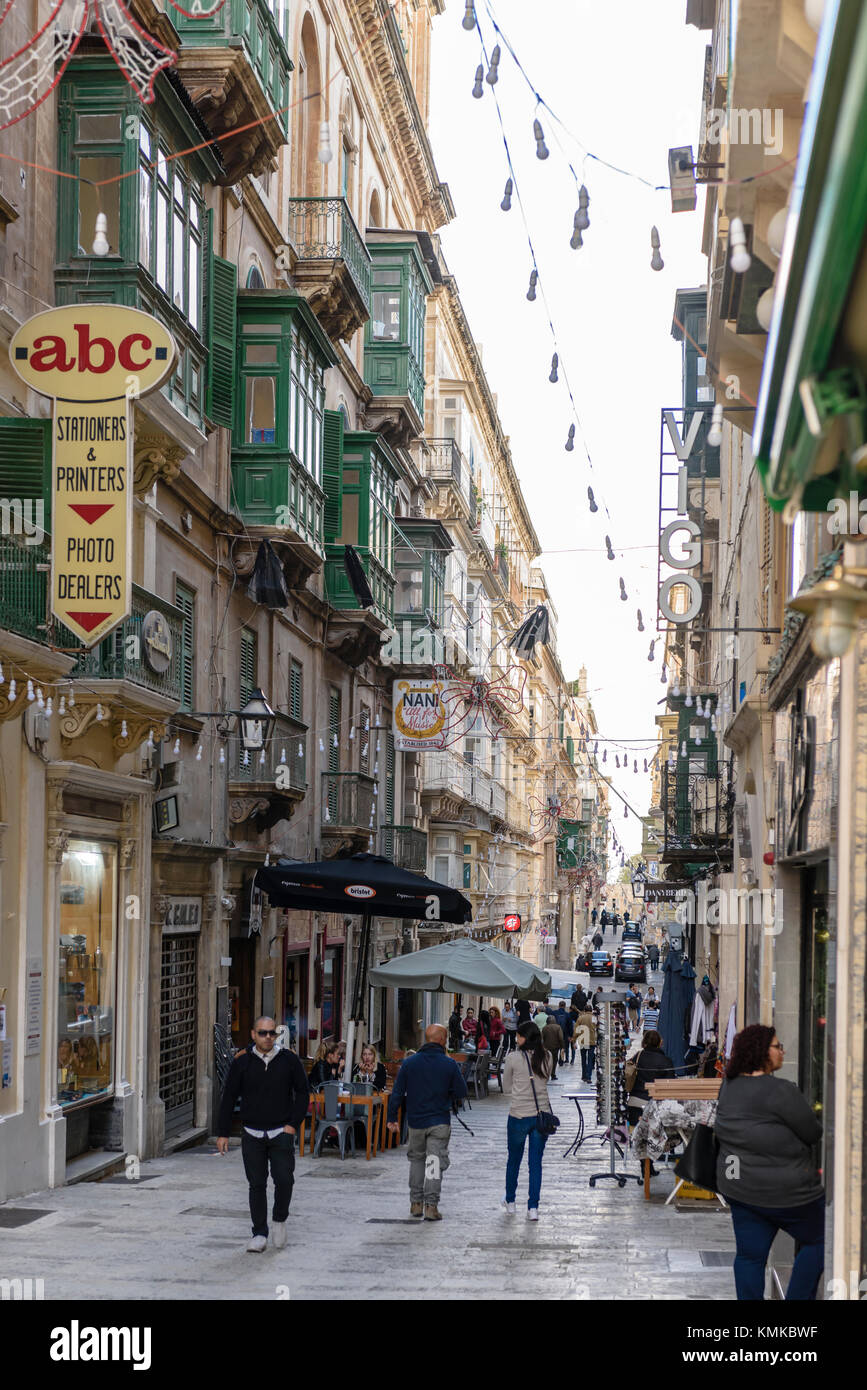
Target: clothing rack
610, 1081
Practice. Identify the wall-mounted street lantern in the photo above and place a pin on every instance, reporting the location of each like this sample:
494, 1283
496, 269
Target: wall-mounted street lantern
255, 721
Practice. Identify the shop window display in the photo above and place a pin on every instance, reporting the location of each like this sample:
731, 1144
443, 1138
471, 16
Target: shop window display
86, 971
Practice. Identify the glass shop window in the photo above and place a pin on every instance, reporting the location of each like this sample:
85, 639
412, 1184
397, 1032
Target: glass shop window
85, 1024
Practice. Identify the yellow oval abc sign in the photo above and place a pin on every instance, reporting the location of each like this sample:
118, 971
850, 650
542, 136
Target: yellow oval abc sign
93, 352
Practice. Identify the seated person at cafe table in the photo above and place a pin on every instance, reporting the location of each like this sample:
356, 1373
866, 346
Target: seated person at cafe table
470, 1026
370, 1071
325, 1068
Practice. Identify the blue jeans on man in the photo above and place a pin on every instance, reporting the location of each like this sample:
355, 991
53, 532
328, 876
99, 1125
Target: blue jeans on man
517, 1132
588, 1062
755, 1229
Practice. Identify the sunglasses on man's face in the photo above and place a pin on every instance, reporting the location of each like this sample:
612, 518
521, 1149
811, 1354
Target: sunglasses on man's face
266, 1032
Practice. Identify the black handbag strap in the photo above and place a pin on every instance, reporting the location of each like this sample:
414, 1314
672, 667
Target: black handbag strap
533, 1084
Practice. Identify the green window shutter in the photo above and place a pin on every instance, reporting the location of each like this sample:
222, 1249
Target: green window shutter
570, 748
296, 689
248, 664
333, 728
25, 464
220, 335
332, 473
185, 599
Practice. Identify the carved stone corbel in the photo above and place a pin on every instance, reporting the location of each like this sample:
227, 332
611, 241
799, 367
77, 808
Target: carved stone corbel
241, 808
57, 843
76, 722
127, 852
9, 709
137, 731
154, 457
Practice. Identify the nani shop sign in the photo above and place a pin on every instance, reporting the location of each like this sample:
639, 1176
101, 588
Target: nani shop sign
93, 361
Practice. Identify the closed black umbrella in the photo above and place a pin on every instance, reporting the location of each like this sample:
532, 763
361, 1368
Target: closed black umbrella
364, 883
356, 576
677, 995
267, 584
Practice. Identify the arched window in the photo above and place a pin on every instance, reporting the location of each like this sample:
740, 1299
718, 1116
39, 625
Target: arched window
348, 148
374, 215
310, 112
254, 278
341, 410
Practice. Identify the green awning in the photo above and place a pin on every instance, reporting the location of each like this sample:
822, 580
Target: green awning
829, 208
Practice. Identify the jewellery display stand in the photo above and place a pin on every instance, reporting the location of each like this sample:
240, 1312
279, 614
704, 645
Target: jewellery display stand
610, 1082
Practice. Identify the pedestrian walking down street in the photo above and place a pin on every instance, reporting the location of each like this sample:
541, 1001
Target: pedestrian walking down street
497, 1029
430, 1082
585, 1032
593, 917
552, 1041
574, 1015
632, 1006
456, 1034
274, 1094
765, 1169
653, 956
522, 1008
579, 999
562, 1017
510, 1023
597, 941
525, 1076
650, 1016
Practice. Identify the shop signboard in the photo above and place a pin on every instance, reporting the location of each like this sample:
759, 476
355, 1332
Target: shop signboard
668, 892
420, 717
512, 921
182, 915
93, 361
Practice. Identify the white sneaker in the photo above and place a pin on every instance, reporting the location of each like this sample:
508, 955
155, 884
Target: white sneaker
257, 1245
508, 1207
533, 1214
278, 1233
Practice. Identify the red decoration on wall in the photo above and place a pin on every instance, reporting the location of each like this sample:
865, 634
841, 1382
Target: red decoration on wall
468, 701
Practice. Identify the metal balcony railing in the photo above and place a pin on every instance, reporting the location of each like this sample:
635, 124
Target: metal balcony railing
286, 748
405, 846
348, 800
697, 809
24, 578
122, 655
445, 771
324, 229
444, 462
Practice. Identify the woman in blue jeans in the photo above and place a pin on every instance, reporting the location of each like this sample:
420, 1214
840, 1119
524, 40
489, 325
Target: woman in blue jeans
765, 1169
526, 1070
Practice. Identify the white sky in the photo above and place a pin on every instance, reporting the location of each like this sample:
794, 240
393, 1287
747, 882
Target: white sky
625, 79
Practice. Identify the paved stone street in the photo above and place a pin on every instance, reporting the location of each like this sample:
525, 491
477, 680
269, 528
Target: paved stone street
180, 1231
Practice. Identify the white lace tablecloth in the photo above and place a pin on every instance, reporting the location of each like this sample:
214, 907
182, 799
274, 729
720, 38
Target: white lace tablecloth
665, 1123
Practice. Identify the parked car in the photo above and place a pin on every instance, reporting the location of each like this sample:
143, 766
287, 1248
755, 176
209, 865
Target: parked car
631, 965
631, 932
601, 963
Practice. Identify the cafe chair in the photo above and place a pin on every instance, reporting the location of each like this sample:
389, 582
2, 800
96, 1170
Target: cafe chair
360, 1113
331, 1120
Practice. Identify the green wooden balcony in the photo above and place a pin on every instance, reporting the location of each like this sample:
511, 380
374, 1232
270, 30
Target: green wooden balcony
235, 65
287, 749
405, 846
277, 491
333, 265
338, 590
391, 370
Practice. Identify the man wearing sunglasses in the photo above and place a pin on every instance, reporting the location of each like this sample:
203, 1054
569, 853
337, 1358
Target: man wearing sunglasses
274, 1098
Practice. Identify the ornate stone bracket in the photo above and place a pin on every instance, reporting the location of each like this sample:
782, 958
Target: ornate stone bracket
10, 709
154, 457
241, 808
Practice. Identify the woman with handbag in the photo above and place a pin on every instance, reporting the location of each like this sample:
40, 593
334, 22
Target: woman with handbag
765, 1169
649, 1064
525, 1076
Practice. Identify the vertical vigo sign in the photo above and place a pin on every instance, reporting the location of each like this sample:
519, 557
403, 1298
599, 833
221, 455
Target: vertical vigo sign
683, 526
93, 361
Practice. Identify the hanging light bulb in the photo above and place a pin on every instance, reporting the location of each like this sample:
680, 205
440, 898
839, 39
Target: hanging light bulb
570, 439
100, 240
662, 677
333, 740
605, 755
300, 749
149, 744
377, 741
469, 19
623, 594
640, 621
683, 748
325, 153
581, 221
352, 733
199, 751
62, 706
364, 752
40, 698
688, 700
49, 708
646, 769
327, 815
493, 74
13, 690
539, 136
246, 758
222, 754
99, 714
262, 757
31, 694
776, 232
531, 292
576, 241
596, 748
2, 677
715, 433
652, 653
555, 362
478, 89
713, 723
616, 760
177, 748
765, 308
377, 725
635, 765
625, 817
321, 746
608, 548
592, 500
656, 261
507, 196
740, 259
71, 697
675, 689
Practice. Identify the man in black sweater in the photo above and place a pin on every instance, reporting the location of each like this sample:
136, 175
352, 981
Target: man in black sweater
274, 1098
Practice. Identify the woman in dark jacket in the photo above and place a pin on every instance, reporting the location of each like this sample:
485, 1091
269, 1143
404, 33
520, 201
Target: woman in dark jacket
522, 1008
326, 1069
765, 1168
652, 1065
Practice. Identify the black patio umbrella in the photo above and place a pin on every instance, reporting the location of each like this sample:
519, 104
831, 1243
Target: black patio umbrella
368, 884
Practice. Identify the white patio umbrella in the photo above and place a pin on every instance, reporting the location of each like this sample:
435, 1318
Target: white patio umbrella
464, 967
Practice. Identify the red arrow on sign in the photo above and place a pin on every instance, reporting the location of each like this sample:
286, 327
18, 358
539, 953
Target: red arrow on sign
89, 620
91, 511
